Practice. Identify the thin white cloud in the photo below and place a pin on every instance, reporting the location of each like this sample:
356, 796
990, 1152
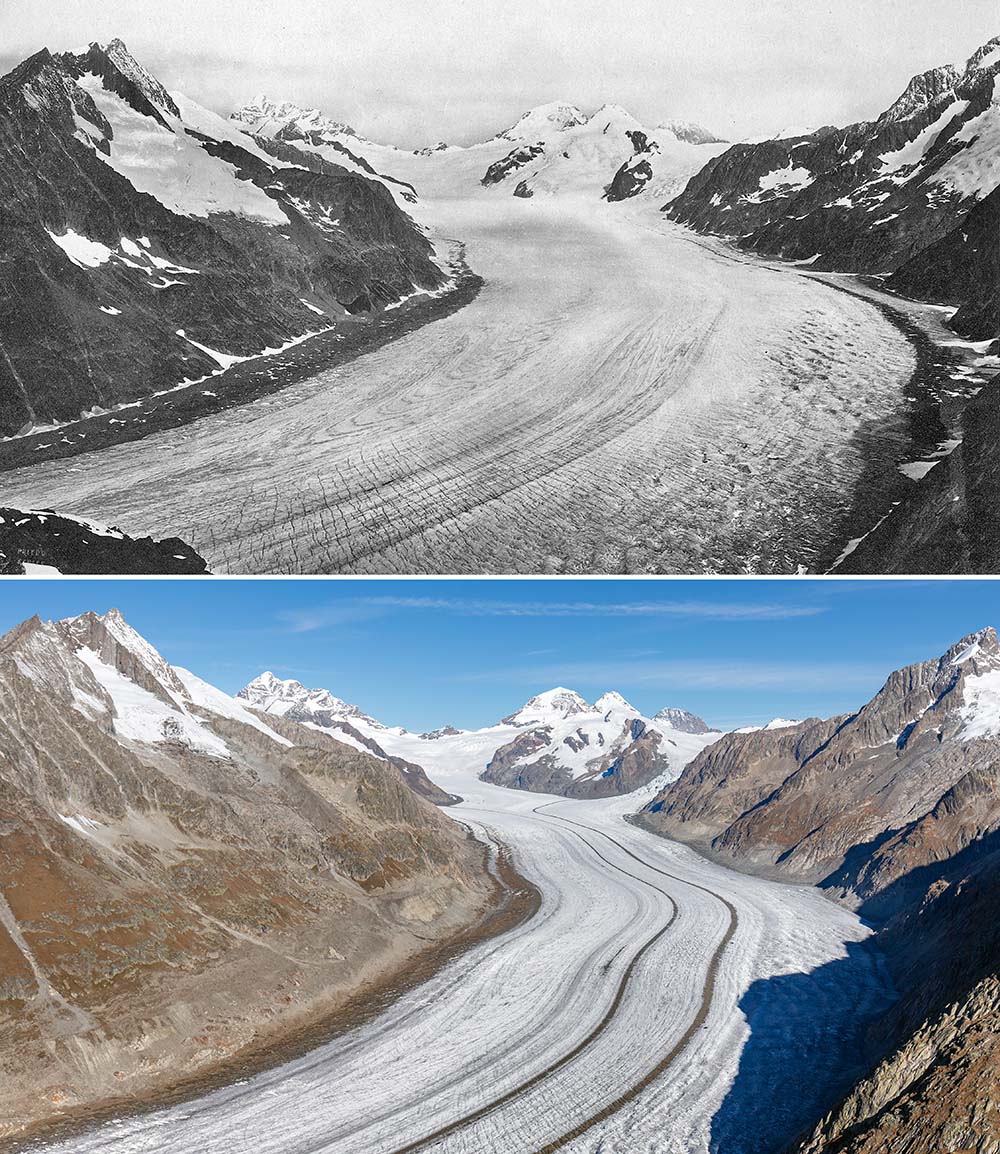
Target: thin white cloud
303, 621
681, 675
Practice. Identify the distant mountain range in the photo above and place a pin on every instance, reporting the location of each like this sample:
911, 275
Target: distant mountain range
557, 742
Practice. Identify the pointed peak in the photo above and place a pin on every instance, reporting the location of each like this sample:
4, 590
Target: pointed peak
121, 73
613, 702
923, 90
981, 644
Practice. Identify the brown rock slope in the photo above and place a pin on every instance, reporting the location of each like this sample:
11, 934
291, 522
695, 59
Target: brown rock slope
854, 803
178, 879
896, 811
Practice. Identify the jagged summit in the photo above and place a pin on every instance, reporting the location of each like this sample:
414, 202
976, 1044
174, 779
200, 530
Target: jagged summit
682, 720
121, 73
267, 117
288, 697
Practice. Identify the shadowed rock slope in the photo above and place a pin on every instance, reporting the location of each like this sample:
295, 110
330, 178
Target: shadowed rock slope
180, 879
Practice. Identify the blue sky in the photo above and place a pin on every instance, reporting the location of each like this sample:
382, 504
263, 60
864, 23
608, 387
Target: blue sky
466, 652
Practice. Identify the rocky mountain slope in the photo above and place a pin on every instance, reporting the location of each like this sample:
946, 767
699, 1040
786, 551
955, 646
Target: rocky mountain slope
858, 804
305, 136
556, 742
936, 1088
895, 810
150, 244
181, 877
878, 195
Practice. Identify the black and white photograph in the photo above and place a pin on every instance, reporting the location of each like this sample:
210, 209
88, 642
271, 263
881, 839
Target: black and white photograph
555, 288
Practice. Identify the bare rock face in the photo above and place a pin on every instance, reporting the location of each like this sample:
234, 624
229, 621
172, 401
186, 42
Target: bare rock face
180, 876
855, 803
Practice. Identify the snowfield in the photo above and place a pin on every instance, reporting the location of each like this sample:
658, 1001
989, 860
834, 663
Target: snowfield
619, 1001
622, 396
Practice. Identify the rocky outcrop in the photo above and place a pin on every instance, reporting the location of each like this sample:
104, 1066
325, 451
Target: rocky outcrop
36, 541
124, 276
874, 196
859, 803
181, 879
518, 157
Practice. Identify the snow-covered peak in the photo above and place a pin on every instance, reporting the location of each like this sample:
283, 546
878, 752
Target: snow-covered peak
542, 121
613, 703
552, 704
774, 723
688, 132
266, 117
279, 696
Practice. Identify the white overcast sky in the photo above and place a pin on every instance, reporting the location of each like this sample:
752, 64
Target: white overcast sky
414, 71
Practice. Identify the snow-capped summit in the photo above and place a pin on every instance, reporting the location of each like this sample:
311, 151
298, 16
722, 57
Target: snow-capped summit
288, 697
688, 132
266, 117
608, 154
542, 121
613, 703
547, 706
